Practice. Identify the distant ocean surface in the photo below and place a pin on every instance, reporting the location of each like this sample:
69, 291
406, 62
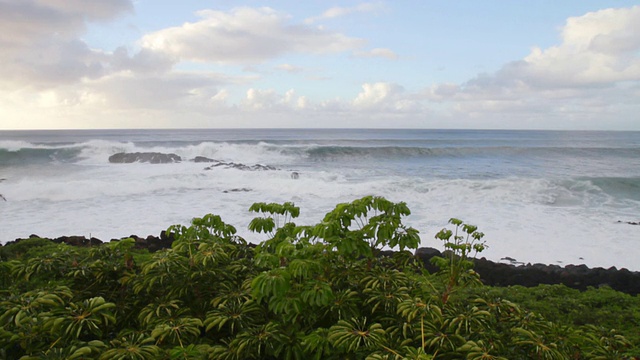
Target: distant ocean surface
553, 197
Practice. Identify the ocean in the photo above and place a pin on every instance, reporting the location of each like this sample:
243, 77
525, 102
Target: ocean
553, 197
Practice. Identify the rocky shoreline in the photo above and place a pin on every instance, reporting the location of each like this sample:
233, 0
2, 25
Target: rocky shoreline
492, 273
574, 276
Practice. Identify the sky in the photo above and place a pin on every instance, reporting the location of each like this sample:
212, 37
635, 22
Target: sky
464, 64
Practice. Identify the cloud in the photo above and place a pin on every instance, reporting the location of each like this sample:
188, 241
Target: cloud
244, 35
269, 99
142, 62
337, 11
377, 52
173, 91
384, 96
289, 68
40, 40
590, 75
598, 49
590, 79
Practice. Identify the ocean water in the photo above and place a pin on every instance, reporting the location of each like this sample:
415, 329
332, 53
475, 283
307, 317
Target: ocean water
539, 196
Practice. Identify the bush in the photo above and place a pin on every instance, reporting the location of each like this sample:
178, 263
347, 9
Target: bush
306, 292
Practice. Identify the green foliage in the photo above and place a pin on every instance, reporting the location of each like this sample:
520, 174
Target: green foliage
132, 346
24, 247
364, 226
81, 320
306, 292
461, 246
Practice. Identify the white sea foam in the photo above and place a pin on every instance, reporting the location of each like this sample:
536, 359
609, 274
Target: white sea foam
15, 145
527, 210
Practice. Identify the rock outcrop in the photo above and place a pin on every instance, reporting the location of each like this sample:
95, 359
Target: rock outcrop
574, 276
202, 159
144, 157
232, 165
491, 273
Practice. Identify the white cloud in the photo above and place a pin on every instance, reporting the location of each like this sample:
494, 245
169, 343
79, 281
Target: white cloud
221, 96
40, 41
172, 91
289, 68
377, 52
338, 11
597, 49
244, 35
260, 99
269, 99
585, 80
384, 96
590, 79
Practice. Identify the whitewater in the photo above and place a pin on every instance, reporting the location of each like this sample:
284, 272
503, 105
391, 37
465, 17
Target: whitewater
553, 197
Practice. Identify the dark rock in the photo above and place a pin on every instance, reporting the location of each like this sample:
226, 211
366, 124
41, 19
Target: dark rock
386, 253
491, 273
202, 159
152, 243
425, 254
630, 222
295, 175
427, 251
237, 190
144, 157
79, 241
575, 276
232, 165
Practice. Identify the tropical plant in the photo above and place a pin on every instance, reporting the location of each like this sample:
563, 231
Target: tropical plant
321, 291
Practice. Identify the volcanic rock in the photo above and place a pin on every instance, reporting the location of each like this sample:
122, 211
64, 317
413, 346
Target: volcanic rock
144, 157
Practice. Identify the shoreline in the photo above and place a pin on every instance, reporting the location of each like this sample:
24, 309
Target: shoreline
492, 273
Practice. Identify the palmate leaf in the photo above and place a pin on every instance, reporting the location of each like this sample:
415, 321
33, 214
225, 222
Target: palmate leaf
191, 351
26, 306
262, 225
210, 254
425, 317
406, 353
232, 291
537, 346
356, 229
272, 214
352, 246
354, 334
466, 319
158, 311
604, 345
385, 300
305, 268
258, 342
223, 351
480, 350
318, 344
213, 226
316, 293
233, 315
345, 305
77, 351
91, 316
132, 346
289, 306
385, 278
275, 282
177, 331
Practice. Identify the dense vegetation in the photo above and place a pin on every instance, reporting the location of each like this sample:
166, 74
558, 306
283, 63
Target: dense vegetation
306, 292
